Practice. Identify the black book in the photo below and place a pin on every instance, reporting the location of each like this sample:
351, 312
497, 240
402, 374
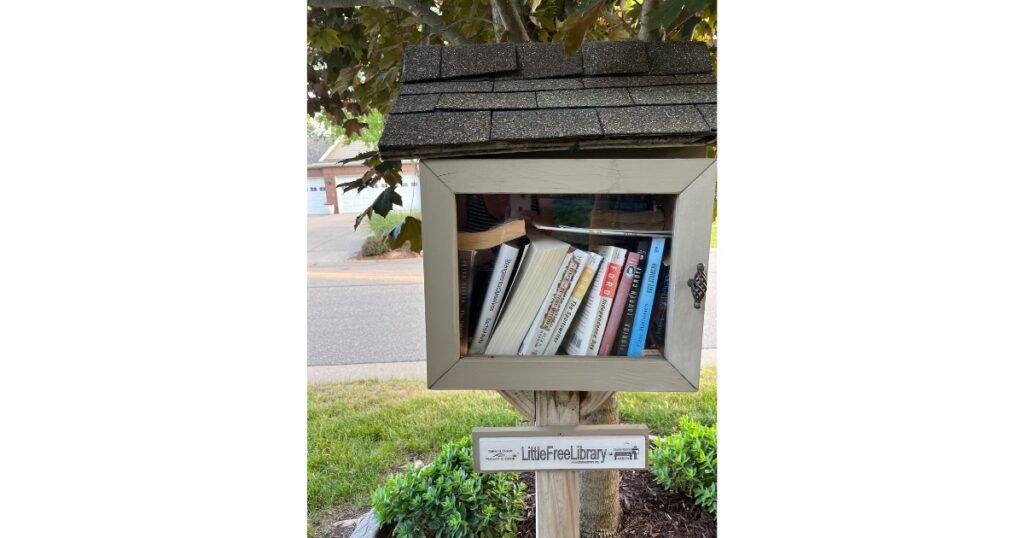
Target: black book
622, 344
656, 333
465, 286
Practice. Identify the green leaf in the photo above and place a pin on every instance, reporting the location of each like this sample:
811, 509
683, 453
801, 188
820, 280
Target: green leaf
575, 29
385, 201
669, 10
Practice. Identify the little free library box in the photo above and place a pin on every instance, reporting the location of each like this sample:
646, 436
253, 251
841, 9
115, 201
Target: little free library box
567, 207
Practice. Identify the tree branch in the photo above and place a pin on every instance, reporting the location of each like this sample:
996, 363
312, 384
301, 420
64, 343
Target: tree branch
686, 29
512, 21
413, 7
646, 33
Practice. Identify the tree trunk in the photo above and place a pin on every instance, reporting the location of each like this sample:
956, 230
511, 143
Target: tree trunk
599, 490
512, 20
647, 33
499, 26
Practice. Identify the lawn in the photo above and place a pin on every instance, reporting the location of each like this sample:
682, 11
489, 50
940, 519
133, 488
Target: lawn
358, 432
714, 234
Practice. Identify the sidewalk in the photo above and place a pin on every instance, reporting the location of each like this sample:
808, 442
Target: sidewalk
416, 371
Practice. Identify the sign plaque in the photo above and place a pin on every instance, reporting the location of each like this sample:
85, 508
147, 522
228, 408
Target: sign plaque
553, 448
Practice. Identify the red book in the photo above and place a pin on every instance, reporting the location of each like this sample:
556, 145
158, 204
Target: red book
619, 304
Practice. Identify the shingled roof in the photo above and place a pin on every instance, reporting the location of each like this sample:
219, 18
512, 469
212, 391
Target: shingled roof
508, 97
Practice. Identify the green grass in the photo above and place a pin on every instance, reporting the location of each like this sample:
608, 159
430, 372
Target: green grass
359, 432
714, 234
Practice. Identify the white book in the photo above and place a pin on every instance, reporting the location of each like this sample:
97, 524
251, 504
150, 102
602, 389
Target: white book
579, 293
588, 328
497, 286
546, 320
537, 270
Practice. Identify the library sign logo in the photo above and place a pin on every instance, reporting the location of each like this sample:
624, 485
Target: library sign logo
538, 453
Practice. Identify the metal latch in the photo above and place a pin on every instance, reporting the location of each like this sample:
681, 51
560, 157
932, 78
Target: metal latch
698, 285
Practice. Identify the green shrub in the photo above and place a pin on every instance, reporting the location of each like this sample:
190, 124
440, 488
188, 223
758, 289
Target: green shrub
447, 499
381, 226
687, 462
374, 246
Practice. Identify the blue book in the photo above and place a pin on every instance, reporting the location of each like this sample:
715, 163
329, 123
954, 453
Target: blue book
645, 303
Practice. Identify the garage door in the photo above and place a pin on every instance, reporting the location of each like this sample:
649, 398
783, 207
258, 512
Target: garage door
359, 201
316, 196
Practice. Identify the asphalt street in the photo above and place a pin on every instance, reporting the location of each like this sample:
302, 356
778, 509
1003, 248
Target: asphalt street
372, 311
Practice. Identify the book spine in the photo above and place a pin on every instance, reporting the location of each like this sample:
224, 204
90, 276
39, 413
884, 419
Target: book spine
583, 326
579, 293
504, 265
619, 304
605, 296
622, 339
465, 284
656, 335
646, 301
550, 312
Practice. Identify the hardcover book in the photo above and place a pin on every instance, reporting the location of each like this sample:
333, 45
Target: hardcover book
579, 293
541, 261
465, 285
588, 327
659, 319
494, 296
638, 335
619, 304
554, 304
622, 339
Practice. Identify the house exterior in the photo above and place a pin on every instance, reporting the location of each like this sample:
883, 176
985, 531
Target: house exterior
325, 172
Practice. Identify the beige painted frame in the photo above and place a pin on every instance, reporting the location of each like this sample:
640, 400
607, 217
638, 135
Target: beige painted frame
692, 180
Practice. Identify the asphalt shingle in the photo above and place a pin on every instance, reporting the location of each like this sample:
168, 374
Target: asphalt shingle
480, 99
546, 60
421, 62
628, 81
447, 86
537, 84
478, 60
584, 98
700, 78
415, 103
646, 120
674, 95
679, 58
487, 101
710, 113
435, 129
614, 58
544, 124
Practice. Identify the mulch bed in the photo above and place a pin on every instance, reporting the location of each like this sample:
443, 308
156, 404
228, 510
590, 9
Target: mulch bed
647, 510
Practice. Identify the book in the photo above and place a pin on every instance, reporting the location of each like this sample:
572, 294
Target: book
579, 293
656, 334
619, 304
588, 327
622, 339
645, 302
465, 285
540, 333
541, 260
494, 295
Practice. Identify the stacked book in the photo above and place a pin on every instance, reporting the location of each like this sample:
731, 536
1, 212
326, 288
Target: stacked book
550, 298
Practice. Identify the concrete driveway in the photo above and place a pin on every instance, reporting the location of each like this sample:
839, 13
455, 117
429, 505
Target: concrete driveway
363, 312
359, 311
